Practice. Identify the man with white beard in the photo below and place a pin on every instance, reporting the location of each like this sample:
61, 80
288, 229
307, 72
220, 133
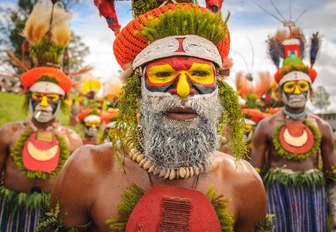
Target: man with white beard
33, 152
170, 176
290, 142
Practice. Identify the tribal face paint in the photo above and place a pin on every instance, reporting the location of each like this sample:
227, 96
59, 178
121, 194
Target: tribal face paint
183, 76
44, 106
296, 93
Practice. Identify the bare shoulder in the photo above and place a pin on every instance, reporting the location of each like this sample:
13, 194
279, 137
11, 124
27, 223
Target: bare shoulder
10, 131
320, 122
73, 139
240, 171
89, 160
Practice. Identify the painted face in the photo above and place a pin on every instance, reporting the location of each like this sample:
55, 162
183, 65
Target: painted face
295, 93
183, 76
44, 106
91, 128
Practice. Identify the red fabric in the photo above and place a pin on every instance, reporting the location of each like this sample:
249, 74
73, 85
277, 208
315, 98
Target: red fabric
33, 75
148, 214
128, 44
35, 165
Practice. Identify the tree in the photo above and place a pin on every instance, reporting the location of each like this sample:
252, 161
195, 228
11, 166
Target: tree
320, 98
13, 24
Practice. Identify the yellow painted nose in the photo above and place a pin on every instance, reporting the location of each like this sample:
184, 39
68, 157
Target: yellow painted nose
183, 88
44, 102
297, 90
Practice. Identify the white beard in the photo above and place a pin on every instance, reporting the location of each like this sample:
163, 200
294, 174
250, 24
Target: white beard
295, 101
43, 114
172, 143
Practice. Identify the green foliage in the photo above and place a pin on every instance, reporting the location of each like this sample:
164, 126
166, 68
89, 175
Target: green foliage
310, 179
16, 154
221, 207
140, 7
131, 196
233, 118
185, 21
298, 157
46, 52
16, 200
51, 220
9, 108
266, 225
127, 122
13, 23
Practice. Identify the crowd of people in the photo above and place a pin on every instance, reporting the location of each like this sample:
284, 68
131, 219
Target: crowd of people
173, 155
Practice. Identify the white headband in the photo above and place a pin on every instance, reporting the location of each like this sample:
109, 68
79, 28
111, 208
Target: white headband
92, 118
186, 45
295, 76
46, 87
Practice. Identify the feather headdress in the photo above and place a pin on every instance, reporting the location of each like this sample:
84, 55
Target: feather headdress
47, 32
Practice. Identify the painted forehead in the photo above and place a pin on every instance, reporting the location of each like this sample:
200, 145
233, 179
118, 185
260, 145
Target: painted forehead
179, 63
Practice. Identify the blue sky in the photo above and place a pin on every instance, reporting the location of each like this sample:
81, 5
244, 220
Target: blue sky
247, 22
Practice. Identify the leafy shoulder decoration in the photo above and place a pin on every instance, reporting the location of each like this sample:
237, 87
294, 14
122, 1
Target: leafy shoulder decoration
291, 156
265, 226
52, 221
220, 205
130, 198
16, 154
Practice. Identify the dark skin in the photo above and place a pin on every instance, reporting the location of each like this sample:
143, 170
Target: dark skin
102, 182
94, 172
263, 144
14, 179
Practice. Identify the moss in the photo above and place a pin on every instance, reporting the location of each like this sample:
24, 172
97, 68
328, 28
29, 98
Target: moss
131, 196
231, 122
185, 21
140, 7
221, 208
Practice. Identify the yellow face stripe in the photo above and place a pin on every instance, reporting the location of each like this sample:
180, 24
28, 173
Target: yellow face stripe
201, 73
161, 74
183, 88
198, 73
296, 87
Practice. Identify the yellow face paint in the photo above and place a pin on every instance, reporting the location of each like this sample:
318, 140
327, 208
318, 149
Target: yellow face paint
181, 75
295, 87
92, 124
45, 99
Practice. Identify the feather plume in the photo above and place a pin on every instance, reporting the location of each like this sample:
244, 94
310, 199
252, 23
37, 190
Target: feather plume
15, 61
246, 87
82, 71
37, 24
59, 28
274, 51
314, 48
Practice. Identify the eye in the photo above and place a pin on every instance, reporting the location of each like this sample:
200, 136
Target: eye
163, 74
200, 73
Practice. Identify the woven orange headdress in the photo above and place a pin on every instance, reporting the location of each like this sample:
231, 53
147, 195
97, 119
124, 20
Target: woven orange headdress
183, 29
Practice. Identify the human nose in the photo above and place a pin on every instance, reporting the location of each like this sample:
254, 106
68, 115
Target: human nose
44, 102
183, 87
297, 90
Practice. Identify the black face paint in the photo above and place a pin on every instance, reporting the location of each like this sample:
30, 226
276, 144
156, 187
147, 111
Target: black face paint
171, 87
53, 105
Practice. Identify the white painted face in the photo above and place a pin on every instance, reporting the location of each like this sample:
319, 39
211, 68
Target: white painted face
91, 131
44, 113
294, 100
295, 94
